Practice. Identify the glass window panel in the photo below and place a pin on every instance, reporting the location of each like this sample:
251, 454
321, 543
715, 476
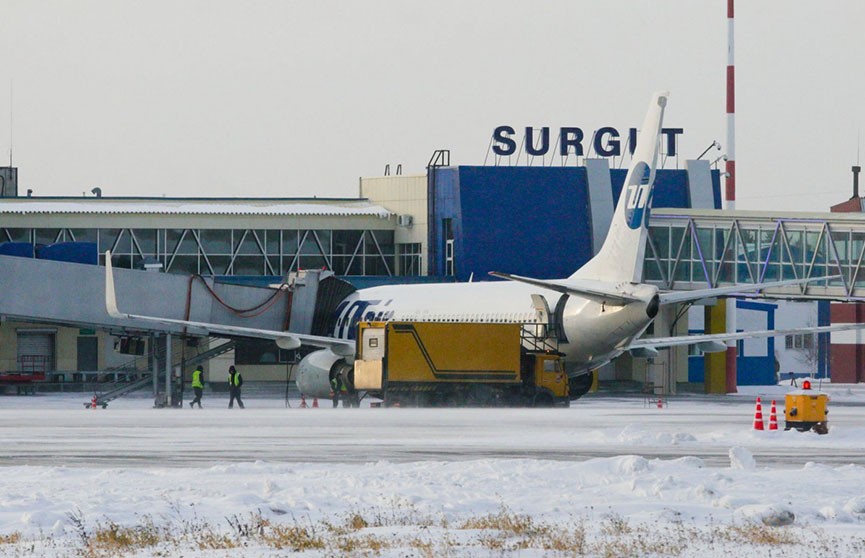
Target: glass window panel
652, 271
116, 240
357, 266
287, 265
681, 271
385, 241
796, 244
46, 236
310, 247
676, 235
373, 265
219, 264
84, 235
704, 237
369, 244
255, 351
216, 241
273, 269
187, 245
787, 271
289, 243
661, 238
246, 243
344, 242
249, 265
749, 249
312, 262
121, 260
19, 235
841, 240
768, 246
271, 242
324, 237
185, 264
340, 264
146, 239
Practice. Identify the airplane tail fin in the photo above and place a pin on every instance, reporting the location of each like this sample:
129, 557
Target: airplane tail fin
621, 256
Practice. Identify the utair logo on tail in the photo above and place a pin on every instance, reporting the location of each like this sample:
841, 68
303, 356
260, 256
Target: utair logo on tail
638, 192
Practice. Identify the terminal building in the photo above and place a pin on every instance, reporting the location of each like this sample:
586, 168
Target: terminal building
452, 223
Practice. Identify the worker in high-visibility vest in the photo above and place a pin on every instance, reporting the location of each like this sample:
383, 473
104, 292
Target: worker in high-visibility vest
335, 386
197, 386
235, 380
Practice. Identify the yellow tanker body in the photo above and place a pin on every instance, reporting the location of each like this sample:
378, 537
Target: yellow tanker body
449, 364
441, 352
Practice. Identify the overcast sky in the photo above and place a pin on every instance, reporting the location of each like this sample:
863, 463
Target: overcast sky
288, 98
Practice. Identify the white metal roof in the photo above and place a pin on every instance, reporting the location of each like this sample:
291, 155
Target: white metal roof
155, 206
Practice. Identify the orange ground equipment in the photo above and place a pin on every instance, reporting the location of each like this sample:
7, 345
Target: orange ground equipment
806, 410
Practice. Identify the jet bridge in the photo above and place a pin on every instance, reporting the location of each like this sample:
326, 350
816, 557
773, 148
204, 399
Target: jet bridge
693, 249
74, 294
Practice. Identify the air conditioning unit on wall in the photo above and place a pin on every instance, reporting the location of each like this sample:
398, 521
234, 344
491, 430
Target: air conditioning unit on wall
404, 220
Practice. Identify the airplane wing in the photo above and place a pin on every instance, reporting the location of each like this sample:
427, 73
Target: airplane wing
587, 289
284, 339
709, 340
687, 296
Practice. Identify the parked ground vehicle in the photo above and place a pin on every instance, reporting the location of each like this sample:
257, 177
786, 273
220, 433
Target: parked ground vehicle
456, 364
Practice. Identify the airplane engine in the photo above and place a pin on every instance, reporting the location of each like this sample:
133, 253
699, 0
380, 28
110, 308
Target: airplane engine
317, 369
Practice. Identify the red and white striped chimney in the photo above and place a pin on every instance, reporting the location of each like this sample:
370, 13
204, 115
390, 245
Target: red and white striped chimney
730, 183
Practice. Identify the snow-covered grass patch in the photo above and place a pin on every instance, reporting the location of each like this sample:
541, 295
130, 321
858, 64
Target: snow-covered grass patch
604, 478
617, 506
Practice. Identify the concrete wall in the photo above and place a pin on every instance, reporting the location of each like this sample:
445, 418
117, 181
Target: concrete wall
404, 195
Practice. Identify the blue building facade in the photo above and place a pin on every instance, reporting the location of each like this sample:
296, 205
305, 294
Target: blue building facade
534, 221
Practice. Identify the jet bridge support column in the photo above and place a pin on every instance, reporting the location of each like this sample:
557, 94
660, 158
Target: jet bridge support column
715, 364
154, 367
168, 360
662, 372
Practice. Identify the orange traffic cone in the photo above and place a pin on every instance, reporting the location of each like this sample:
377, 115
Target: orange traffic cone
93, 402
315, 402
660, 403
773, 417
303, 404
758, 416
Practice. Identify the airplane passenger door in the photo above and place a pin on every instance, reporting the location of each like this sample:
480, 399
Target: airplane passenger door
542, 313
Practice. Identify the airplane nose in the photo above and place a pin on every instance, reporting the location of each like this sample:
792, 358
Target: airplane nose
653, 306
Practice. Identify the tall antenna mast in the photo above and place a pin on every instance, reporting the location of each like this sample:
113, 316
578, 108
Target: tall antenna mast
730, 183
10, 122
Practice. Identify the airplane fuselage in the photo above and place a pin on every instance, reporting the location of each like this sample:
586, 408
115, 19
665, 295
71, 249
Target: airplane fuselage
591, 333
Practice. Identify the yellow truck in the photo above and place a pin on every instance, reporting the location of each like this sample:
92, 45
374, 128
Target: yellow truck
456, 364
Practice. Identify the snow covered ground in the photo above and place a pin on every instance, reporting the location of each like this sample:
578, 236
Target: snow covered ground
611, 476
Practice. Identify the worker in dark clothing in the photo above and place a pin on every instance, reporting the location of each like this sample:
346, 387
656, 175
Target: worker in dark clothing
197, 386
334, 390
235, 380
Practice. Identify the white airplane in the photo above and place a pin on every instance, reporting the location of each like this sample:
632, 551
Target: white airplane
600, 311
